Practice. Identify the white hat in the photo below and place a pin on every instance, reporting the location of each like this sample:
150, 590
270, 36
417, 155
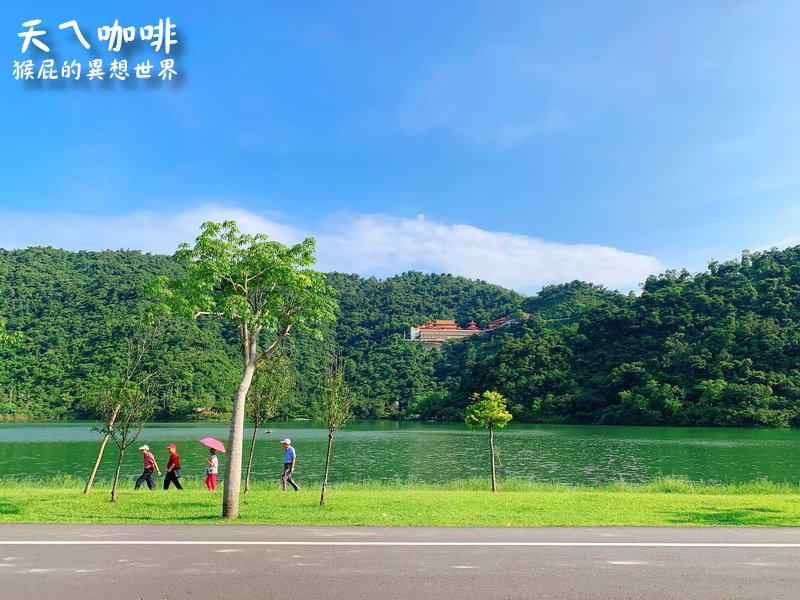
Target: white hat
286, 441
145, 447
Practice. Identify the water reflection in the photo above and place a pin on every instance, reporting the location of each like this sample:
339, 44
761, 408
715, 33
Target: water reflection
431, 452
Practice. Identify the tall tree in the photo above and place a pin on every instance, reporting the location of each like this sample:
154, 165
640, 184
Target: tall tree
267, 393
333, 407
267, 289
488, 411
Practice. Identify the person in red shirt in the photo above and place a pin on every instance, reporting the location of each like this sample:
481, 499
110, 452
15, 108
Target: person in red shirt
149, 465
173, 468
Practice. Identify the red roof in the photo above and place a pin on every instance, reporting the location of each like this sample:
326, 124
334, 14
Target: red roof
504, 320
451, 325
440, 324
499, 322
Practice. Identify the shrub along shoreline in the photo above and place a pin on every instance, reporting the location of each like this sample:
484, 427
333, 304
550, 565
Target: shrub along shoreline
662, 502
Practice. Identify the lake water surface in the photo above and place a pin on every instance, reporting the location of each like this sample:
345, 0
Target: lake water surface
426, 452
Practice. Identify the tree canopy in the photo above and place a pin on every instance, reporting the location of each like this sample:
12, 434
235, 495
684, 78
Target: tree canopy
487, 411
266, 289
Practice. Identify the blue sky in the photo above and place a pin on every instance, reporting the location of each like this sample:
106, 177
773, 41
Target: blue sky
525, 143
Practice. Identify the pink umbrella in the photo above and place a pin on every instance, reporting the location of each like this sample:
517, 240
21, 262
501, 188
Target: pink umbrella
212, 443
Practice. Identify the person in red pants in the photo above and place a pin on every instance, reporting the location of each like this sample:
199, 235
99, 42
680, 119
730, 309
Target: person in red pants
211, 471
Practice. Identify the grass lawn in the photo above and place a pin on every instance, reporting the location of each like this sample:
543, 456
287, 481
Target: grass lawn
466, 503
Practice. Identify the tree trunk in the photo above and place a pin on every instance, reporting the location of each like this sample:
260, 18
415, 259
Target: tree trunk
491, 451
113, 420
327, 464
250, 459
88, 487
116, 477
233, 468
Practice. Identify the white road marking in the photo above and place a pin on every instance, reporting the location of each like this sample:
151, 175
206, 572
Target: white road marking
627, 562
398, 544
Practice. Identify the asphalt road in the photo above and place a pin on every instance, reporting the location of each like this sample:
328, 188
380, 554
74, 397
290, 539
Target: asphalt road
203, 562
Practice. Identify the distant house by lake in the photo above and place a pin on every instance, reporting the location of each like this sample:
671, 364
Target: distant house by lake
435, 333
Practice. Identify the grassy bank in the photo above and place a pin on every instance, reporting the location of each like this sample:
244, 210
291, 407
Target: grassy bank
663, 502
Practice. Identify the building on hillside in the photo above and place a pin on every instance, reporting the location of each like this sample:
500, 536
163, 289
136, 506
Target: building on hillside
435, 333
500, 322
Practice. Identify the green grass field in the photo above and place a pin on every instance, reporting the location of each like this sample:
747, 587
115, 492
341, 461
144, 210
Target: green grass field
663, 502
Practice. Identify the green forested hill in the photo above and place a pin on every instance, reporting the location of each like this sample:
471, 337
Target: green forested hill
75, 309
568, 300
717, 348
392, 375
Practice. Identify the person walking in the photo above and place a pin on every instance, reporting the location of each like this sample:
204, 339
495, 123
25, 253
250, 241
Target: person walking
173, 468
211, 471
289, 460
149, 464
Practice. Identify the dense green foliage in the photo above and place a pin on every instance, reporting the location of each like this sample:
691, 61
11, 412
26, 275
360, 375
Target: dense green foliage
75, 310
392, 376
717, 348
568, 301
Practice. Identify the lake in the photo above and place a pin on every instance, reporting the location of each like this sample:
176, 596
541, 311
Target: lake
428, 452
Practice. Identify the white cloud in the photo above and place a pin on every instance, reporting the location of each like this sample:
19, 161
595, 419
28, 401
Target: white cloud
378, 245
383, 245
